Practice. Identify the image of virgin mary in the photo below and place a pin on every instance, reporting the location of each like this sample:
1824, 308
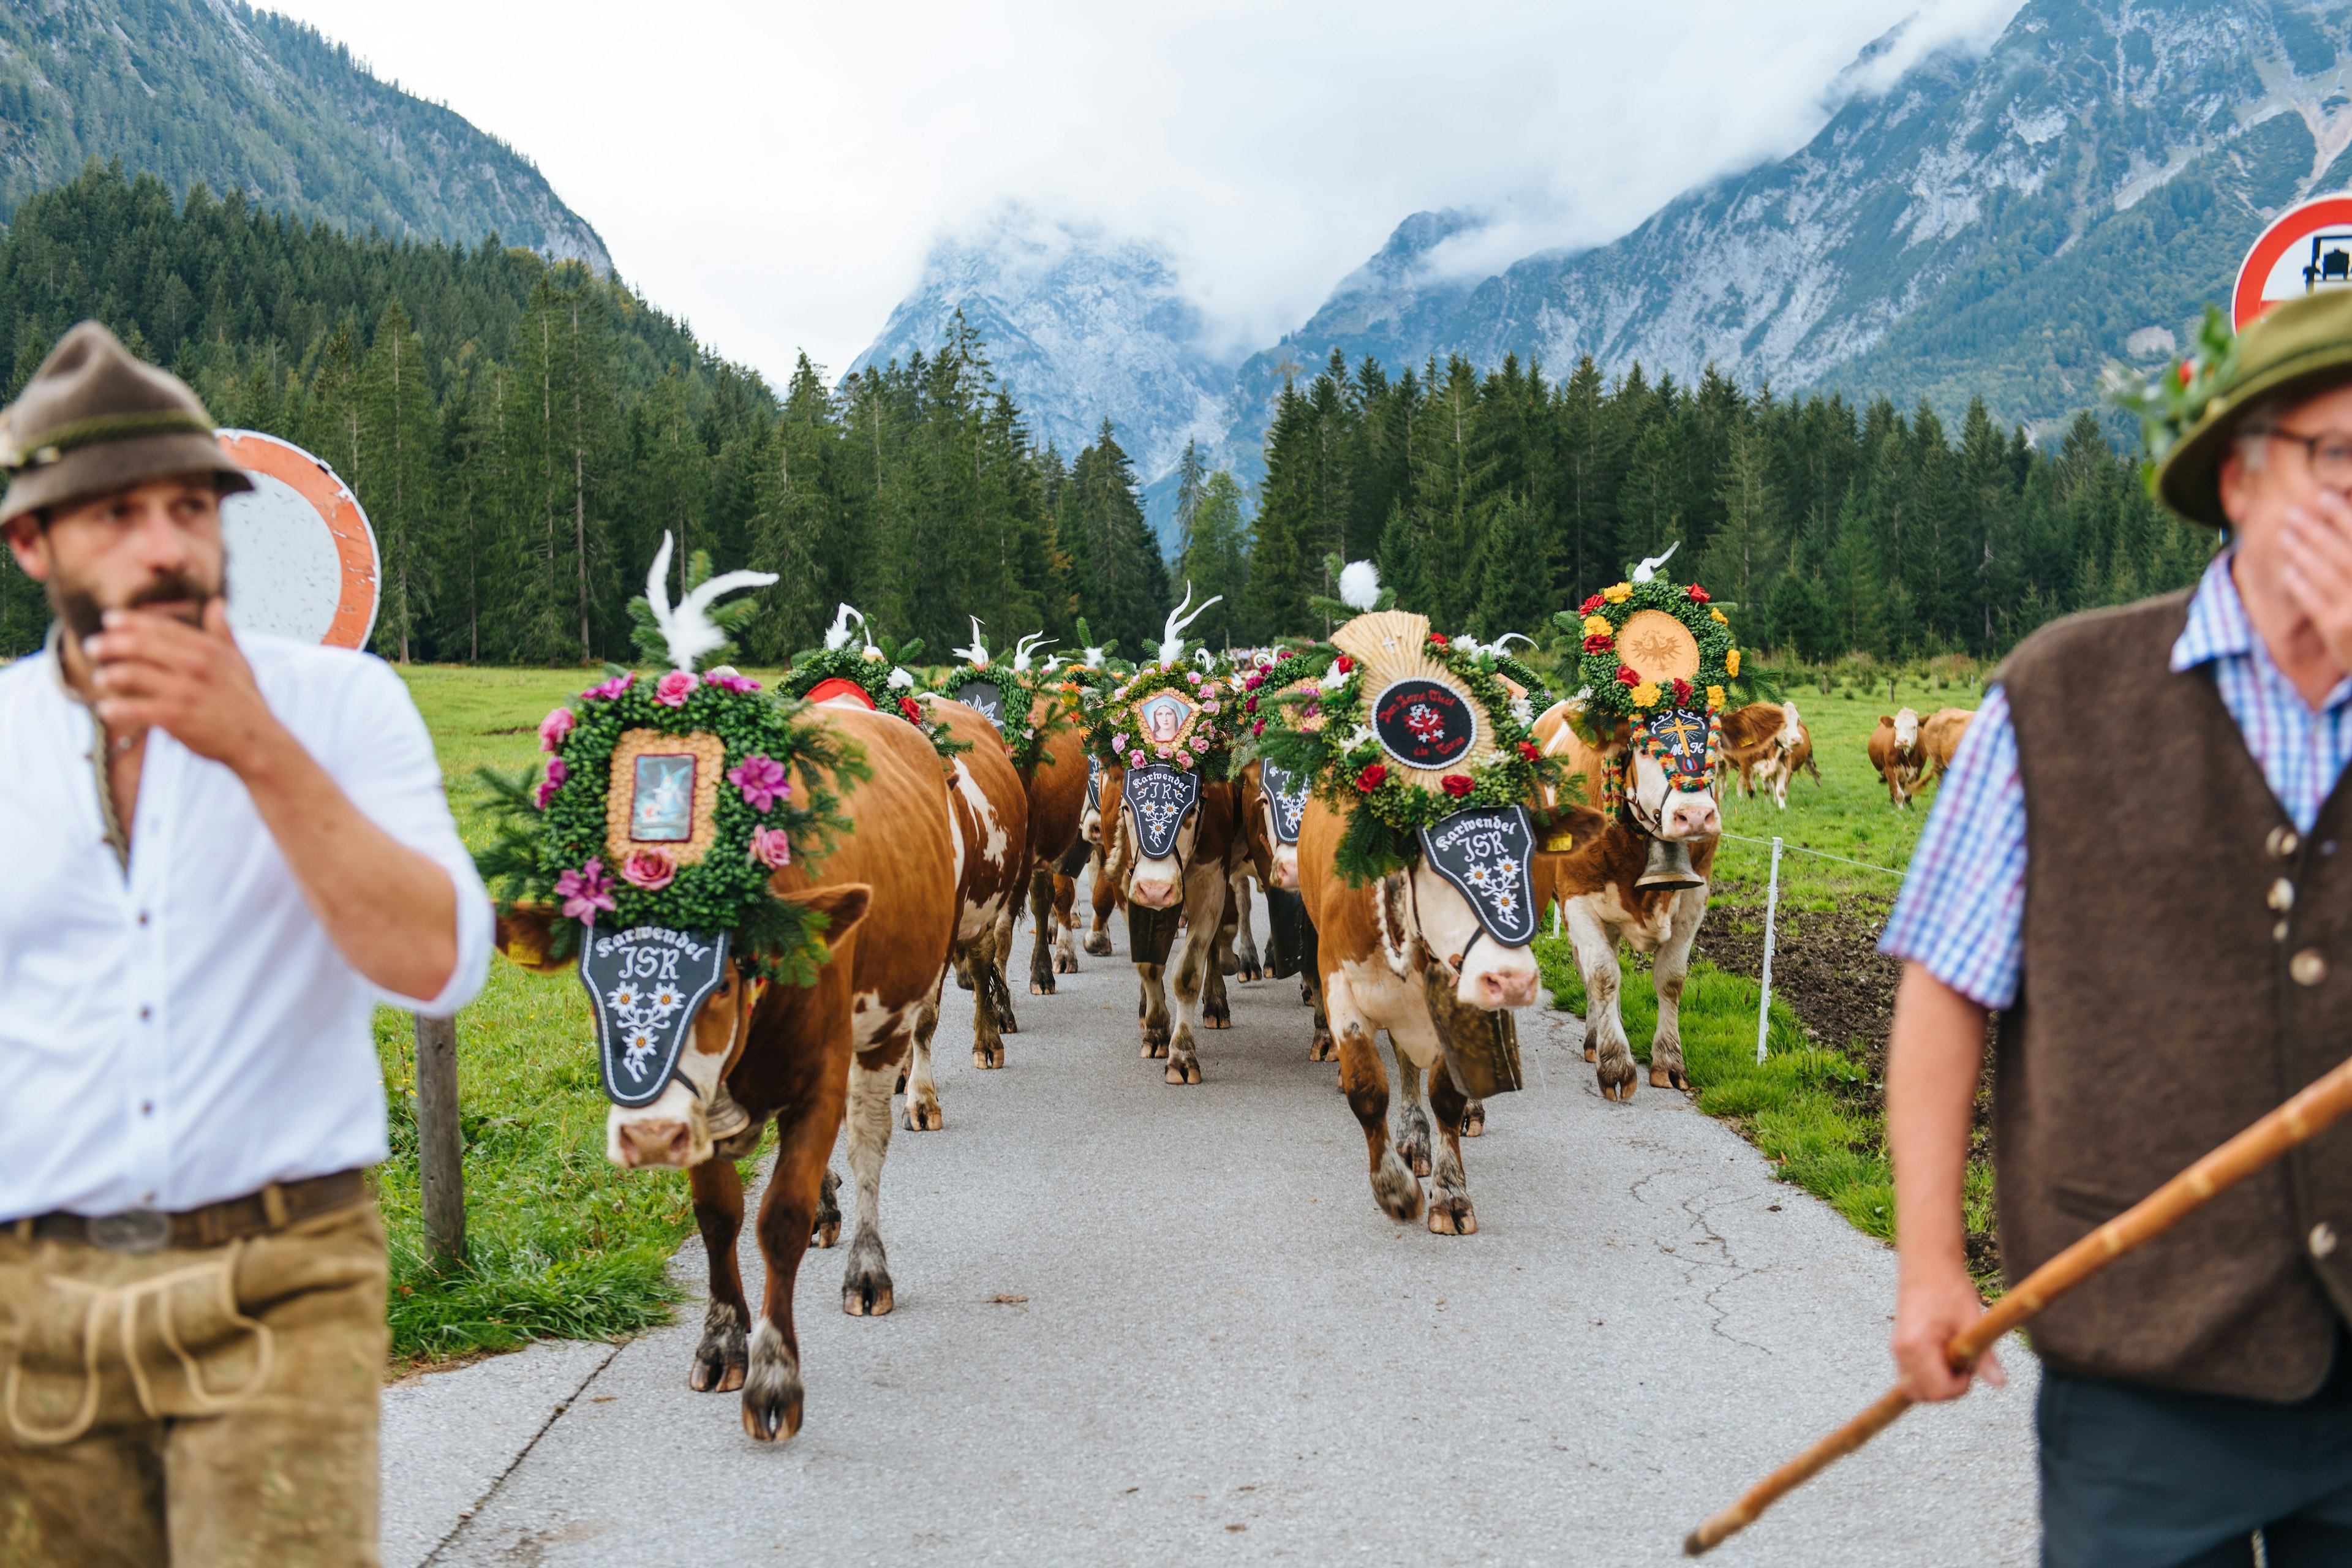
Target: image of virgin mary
661, 811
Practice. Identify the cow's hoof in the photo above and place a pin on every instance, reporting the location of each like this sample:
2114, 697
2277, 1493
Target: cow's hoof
1182, 1069
1155, 1042
1474, 1120
1451, 1216
720, 1359
1098, 944
923, 1116
772, 1393
1619, 1083
1592, 1055
1668, 1078
865, 1282
1395, 1190
1006, 1023
826, 1232
1412, 1144
1038, 990
985, 1057
1217, 1014
1325, 1048
1306, 992
1066, 963
826, 1228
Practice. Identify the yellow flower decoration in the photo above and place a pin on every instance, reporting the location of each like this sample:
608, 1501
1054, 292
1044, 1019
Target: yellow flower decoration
1720, 618
1731, 662
1599, 626
1714, 698
1646, 694
1619, 595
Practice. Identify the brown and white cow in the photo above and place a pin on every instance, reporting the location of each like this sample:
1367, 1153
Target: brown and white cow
1406, 954
1895, 755
991, 818
1056, 786
1752, 737
1939, 739
1188, 884
802, 1056
1594, 866
1792, 750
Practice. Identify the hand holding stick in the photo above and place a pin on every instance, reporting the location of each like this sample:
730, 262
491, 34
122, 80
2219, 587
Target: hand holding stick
2299, 1120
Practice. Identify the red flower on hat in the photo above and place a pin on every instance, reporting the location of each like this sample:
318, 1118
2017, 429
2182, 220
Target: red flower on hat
1373, 777
1599, 642
911, 710
1698, 595
1457, 785
1530, 750
1344, 664
1628, 676
1438, 639
1682, 692
1592, 606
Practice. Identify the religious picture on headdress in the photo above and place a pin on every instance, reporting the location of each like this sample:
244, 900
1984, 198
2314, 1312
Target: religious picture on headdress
662, 809
665, 797
1163, 718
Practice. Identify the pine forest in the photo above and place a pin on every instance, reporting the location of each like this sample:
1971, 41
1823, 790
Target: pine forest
521, 433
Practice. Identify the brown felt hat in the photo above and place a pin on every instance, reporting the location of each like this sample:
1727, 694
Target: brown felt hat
94, 420
2293, 351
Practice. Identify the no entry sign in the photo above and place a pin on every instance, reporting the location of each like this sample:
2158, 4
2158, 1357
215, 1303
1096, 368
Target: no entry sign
2307, 248
301, 557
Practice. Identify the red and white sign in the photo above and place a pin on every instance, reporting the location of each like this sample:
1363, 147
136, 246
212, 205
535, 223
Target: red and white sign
2307, 248
301, 557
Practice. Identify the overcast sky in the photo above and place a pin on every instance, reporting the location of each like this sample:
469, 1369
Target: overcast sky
775, 173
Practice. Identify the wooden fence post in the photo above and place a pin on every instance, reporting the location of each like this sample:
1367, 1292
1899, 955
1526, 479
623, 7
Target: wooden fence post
440, 1139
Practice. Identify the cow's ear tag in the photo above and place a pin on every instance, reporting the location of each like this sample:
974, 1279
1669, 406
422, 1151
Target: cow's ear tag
1285, 800
1485, 853
1159, 799
645, 985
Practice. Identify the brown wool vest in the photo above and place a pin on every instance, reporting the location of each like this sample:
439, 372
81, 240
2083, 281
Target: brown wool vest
2167, 1002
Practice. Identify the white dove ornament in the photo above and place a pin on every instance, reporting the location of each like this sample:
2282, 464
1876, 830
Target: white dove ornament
1649, 569
686, 630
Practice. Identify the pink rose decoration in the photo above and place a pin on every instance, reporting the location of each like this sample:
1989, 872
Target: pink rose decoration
762, 780
738, 684
1208, 707
1194, 676
1183, 759
1167, 749
771, 849
604, 691
1258, 728
585, 891
1135, 759
672, 689
556, 774
650, 869
554, 727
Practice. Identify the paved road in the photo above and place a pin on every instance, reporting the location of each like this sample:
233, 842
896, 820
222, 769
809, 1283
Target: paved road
1139, 1324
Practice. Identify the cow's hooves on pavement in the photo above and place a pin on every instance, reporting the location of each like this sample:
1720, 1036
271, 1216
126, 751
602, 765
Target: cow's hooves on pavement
1452, 1217
1065, 965
1474, 1120
1667, 1078
1098, 945
923, 1116
1395, 1190
1038, 990
715, 1376
984, 1060
1187, 1071
1324, 1049
826, 1234
867, 1297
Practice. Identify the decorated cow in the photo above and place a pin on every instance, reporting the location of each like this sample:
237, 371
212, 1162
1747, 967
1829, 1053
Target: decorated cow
1656, 661
1414, 860
758, 897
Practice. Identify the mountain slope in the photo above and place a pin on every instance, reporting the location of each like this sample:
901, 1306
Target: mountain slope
243, 99
1081, 325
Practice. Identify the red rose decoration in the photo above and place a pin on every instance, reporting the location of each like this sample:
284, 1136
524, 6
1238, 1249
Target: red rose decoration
1258, 728
1530, 750
1282, 653
1698, 595
1599, 642
1682, 692
1344, 664
1457, 785
1592, 606
1628, 676
1373, 777
1438, 639
911, 708
1250, 706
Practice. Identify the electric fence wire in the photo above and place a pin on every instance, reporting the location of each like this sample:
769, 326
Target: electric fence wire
1819, 855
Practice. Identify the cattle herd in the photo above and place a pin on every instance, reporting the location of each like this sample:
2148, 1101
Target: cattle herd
946, 838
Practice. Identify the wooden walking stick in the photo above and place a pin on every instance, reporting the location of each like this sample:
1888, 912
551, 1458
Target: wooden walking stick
2299, 1120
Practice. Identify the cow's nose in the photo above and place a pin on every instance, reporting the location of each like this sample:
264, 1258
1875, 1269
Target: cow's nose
1696, 821
1285, 875
1507, 989
1153, 893
645, 1144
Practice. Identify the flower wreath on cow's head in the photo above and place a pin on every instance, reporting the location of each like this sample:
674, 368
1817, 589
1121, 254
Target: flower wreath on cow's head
870, 677
1000, 693
1406, 728
667, 804
1657, 655
1171, 712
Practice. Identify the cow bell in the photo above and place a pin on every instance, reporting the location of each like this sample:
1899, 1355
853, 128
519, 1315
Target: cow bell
1668, 868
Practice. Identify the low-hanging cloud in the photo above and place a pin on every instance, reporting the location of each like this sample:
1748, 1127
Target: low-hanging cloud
777, 175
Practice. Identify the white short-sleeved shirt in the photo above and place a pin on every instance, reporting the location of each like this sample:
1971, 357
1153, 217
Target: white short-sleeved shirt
182, 1031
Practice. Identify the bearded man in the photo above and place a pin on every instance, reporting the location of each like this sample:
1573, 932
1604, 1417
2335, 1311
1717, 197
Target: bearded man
2137, 861
221, 850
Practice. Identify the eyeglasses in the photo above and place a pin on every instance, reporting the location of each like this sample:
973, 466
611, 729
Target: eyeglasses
2328, 453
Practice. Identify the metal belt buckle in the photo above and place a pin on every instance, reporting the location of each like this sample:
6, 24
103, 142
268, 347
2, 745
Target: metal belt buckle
133, 1231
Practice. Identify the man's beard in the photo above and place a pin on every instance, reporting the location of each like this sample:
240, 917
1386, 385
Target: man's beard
84, 616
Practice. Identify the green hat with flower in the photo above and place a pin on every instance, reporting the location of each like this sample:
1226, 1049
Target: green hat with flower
2192, 410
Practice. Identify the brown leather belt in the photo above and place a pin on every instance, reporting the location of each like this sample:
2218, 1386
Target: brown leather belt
274, 1207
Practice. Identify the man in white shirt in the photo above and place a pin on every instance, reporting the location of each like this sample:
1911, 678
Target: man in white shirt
221, 851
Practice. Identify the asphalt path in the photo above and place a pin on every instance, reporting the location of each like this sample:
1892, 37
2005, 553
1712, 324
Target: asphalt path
1143, 1324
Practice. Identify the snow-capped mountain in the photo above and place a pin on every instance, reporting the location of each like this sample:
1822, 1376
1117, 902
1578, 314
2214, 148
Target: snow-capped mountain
1081, 324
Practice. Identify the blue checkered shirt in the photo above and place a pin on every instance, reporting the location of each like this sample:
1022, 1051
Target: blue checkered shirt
1962, 911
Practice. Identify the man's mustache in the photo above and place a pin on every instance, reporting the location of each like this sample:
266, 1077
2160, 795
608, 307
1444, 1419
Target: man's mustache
84, 616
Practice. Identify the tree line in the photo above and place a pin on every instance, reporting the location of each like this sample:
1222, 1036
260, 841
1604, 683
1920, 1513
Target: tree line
521, 433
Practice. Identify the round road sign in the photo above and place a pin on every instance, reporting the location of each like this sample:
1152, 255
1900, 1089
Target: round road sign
301, 557
2307, 248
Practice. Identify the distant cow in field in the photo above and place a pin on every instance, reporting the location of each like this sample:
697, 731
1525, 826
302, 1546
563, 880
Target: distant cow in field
1792, 752
1894, 754
1939, 738
795, 1054
1594, 866
1750, 737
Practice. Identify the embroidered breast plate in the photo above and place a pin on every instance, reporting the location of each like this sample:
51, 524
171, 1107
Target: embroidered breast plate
1485, 854
1286, 799
1159, 799
645, 985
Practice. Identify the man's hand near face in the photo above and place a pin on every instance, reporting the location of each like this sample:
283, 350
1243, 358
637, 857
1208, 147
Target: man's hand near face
152, 670
2315, 548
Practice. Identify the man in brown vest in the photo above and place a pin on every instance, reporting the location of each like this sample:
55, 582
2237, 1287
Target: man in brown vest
2138, 862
